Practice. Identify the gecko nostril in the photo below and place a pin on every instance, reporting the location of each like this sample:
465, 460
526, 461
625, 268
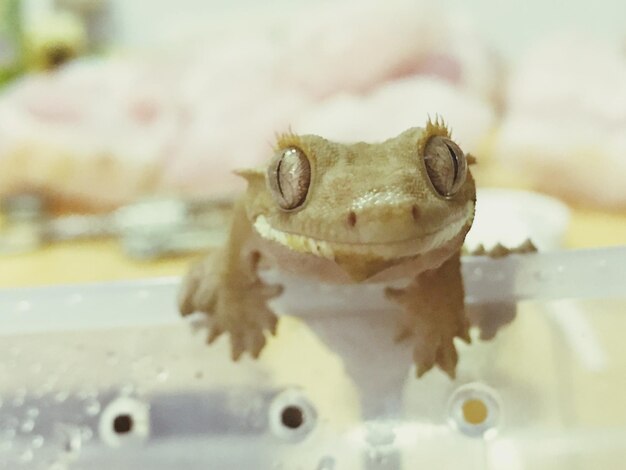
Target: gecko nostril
415, 212
351, 219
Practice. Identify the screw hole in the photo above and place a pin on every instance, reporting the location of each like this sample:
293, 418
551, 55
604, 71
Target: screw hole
475, 411
123, 424
124, 421
292, 417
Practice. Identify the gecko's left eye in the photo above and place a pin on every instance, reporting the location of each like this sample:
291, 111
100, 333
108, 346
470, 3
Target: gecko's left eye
446, 165
289, 178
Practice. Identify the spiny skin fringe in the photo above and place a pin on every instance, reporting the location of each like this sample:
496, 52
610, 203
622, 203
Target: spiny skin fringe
433, 128
286, 139
500, 251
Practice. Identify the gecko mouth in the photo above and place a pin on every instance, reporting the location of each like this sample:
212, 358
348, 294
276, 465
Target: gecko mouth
412, 246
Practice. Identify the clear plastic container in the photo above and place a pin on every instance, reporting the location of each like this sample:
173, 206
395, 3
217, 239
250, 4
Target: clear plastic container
109, 376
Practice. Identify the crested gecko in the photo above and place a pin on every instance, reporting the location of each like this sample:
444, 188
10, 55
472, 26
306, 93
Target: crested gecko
348, 213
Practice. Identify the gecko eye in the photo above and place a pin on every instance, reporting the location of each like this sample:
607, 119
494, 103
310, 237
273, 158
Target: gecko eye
289, 177
446, 165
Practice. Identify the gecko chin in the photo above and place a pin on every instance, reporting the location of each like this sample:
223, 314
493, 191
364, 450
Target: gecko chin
384, 251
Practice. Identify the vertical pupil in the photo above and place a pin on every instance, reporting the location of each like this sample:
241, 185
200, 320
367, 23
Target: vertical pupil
455, 161
279, 176
291, 178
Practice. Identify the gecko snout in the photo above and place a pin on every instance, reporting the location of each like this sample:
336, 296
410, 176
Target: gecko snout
413, 212
351, 218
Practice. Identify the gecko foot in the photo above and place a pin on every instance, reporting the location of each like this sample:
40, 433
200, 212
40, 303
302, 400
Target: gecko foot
238, 308
434, 314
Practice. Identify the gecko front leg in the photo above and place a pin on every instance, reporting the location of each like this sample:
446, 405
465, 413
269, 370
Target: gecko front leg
434, 314
227, 288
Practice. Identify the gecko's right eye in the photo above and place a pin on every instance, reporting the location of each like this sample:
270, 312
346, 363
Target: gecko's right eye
289, 178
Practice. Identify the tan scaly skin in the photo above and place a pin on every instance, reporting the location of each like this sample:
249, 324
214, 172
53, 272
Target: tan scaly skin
369, 213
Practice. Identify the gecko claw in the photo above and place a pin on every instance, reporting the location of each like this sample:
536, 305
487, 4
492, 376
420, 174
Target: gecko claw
447, 359
463, 333
236, 348
257, 343
392, 293
215, 333
424, 357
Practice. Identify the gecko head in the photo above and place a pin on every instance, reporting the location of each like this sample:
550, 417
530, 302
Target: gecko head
362, 202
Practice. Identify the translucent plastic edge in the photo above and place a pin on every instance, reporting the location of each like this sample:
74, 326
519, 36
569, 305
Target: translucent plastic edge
573, 274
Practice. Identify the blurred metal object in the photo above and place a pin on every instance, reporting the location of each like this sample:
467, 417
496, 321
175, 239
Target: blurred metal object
52, 39
98, 19
24, 217
10, 40
156, 227
147, 229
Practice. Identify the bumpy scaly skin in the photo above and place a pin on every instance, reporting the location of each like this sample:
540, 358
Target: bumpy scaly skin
371, 214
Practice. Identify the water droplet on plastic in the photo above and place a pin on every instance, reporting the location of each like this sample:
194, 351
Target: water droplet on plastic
86, 433
71, 440
37, 441
58, 466
61, 396
127, 389
18, 400
32, 412
541, 276
379, 455
92, 407
381, 439
112, 358
27, 426
7, 434
26, 456
327, 463
87, 392
478, 273
162, 374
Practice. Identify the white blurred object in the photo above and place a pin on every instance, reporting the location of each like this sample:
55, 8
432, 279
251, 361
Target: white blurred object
565, 126
510, 217
104, 132
397, 106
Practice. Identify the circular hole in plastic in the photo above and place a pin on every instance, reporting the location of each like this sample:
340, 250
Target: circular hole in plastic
123, 424
474, 410
125, 420
291, 415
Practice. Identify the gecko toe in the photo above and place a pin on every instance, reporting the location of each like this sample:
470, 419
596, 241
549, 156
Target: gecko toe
447, 359
214, 333
256, 344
